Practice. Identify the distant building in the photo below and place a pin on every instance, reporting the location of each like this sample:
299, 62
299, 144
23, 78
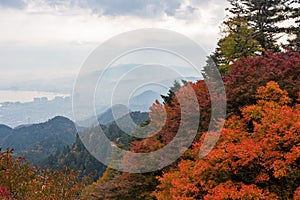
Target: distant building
40, 100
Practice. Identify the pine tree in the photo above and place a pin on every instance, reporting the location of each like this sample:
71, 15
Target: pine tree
294, 30
239, 41
263, 16
171, 93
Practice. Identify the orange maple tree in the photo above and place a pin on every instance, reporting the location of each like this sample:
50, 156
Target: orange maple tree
257, 156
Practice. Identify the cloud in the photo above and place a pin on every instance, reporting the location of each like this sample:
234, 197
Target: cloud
146, 8
143, 9
18, 4
50, 38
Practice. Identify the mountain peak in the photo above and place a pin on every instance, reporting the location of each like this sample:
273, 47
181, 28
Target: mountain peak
143, 101
4, 127
60, 118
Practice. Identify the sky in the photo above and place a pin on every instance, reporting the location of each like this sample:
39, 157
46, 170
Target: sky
47, 40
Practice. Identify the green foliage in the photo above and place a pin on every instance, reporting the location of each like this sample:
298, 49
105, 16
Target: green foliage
77, 158
171, 94
121, 136
253, 27
264, 16
238, 42
294, 30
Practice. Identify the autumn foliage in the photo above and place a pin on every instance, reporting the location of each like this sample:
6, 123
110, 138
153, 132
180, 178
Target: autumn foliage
164, 126
19, 180
257, 156
249, 73
4, 193
169, 117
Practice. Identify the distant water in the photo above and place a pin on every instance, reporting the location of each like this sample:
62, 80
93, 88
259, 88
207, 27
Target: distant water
26, 96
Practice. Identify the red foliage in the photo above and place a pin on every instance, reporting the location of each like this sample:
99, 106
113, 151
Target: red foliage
4, 192
247, 74
165, 123
259, 151
169, 117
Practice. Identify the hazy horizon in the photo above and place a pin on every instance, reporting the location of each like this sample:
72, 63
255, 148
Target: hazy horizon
43, 45
49, 40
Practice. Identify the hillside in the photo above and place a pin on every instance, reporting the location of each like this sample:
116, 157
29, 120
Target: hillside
36, 142
78, 157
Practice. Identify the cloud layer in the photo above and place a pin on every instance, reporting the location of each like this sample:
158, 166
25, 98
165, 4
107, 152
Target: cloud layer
145, 8
18, 4
51, 38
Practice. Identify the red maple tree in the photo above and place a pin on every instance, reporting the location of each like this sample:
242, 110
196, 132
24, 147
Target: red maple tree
248, 74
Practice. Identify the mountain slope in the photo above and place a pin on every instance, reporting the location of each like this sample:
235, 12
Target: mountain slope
143, 101
78, 157
115, 112
5, 131
36, 142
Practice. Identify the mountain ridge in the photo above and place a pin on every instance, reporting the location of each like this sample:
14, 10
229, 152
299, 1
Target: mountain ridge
37, 141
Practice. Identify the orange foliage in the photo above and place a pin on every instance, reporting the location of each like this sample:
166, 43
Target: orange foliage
257, 156
18, 180
169, 117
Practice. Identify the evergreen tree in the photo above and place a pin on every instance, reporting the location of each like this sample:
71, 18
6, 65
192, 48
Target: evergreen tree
239, 41
294, 30
263, 16
171, 94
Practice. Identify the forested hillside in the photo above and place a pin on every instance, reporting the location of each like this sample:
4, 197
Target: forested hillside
257, 155
38, 141
77, 156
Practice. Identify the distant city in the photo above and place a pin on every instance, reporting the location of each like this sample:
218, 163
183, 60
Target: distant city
39, 110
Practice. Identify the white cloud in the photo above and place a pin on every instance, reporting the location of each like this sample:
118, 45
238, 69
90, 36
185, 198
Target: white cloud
27, 28
54, 39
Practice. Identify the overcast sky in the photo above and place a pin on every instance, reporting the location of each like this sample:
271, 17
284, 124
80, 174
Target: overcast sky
52, 38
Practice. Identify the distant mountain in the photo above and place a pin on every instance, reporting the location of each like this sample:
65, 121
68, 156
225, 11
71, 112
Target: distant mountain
78, 157
14, 114
189, 79
115, 112
5, 131
143, 101
120, 123
119, 131
36, 142
140, 103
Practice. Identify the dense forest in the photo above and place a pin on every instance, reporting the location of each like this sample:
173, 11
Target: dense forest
77, 157
257, 155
